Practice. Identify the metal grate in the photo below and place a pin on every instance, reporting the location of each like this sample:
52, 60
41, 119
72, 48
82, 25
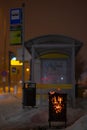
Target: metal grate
57, 107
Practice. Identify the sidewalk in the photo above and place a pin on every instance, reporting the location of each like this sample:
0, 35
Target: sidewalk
14, 117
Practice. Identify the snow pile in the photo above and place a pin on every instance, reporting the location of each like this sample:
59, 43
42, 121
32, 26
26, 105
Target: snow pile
80, 124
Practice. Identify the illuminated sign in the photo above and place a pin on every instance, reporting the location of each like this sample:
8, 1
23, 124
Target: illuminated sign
16, 26
16, 62
16, 16
15, 37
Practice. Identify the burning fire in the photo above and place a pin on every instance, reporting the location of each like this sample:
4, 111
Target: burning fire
57, 104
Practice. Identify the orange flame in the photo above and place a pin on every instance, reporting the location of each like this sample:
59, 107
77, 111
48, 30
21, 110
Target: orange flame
57, 104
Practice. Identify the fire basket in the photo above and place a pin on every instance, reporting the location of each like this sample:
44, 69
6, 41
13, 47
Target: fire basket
57, 107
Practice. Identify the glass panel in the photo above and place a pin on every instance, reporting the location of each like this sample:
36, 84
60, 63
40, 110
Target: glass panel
55, 71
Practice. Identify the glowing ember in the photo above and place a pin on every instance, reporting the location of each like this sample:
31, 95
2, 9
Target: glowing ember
52, 92
57, 104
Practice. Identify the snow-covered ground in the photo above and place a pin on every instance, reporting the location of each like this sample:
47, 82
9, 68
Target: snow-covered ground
14, 117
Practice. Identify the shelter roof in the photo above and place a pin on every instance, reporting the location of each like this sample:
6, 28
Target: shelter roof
48, 43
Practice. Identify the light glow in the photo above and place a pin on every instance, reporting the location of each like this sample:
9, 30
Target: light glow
14, 58
27, 69
16, 62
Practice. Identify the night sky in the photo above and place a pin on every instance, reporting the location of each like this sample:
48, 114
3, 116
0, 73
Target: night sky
43, 17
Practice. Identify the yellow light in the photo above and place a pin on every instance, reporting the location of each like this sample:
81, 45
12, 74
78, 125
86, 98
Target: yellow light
16, 62
27, 69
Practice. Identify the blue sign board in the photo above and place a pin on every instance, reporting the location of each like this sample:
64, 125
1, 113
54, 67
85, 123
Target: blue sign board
4, 73
16, 16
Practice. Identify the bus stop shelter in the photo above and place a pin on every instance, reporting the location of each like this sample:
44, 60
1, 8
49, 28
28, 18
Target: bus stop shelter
52, 66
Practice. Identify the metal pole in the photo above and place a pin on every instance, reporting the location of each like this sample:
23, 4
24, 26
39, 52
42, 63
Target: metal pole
32, 66
9, 72
4, 67
73, 73
23, 52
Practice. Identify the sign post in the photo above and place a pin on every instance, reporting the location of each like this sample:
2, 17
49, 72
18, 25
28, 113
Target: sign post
23, 51
17, 31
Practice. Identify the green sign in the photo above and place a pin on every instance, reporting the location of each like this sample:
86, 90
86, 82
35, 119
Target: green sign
15, 37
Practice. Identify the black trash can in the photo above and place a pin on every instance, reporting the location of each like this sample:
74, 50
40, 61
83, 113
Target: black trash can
29, 94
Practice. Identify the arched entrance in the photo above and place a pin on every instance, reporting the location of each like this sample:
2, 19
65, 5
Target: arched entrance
53, 64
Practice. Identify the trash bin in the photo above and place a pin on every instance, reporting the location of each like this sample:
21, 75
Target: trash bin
57, 107
29, 94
